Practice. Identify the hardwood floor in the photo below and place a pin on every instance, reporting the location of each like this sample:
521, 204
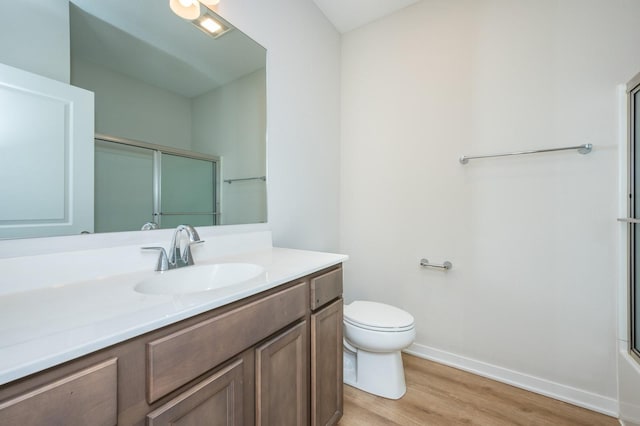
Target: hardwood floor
441, 395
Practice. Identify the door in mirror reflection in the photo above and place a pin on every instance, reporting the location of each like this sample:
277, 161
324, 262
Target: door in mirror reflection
46, 156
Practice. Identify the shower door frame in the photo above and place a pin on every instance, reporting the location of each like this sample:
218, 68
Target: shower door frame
633, 88
158, 150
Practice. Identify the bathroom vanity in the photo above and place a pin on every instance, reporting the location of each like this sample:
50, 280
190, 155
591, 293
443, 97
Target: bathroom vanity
273, 357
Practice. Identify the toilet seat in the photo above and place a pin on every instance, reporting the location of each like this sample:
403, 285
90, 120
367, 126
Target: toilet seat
379, 329
376, 316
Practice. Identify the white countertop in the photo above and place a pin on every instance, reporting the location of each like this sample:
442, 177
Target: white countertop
47, 326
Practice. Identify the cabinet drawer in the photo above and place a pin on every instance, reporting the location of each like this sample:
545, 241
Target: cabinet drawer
325, 288
180, 357
87, 397
216, 400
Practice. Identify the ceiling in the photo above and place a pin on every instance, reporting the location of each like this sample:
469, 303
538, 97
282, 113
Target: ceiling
347, 15
124, 36
144, 40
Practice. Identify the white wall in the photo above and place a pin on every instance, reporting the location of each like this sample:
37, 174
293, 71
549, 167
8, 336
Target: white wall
132, 109
34, 36
230, 122
303, 116
531, 298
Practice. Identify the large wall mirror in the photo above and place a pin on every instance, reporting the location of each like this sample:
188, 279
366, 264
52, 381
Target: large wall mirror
180, 116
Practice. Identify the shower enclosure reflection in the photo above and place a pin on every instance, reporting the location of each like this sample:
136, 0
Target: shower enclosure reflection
136, 185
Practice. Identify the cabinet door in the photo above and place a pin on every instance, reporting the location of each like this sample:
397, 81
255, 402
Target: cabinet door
281, 379
326, 365
216, 401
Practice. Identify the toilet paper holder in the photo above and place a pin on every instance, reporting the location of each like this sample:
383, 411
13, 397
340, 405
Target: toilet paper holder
446, 265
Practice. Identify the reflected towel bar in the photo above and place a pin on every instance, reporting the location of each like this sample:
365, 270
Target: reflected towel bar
445, 266
188, 214
263, 178
582, 149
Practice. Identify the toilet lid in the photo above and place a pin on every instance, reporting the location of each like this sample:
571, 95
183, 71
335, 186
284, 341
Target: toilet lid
377, 316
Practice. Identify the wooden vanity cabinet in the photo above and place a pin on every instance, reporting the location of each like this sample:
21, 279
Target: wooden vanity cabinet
183, 355
326, 348
269, 359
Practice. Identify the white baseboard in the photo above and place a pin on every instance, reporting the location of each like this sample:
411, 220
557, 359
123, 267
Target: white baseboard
581, 398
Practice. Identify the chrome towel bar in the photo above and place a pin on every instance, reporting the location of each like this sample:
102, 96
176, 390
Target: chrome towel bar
262, 178
582, 149
445, 266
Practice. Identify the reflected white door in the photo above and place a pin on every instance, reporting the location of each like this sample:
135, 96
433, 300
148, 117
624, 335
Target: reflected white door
46, 156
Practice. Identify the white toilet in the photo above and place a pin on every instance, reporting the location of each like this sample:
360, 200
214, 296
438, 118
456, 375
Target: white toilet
374, 335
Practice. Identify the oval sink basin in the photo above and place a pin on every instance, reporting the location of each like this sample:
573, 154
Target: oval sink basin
192, 279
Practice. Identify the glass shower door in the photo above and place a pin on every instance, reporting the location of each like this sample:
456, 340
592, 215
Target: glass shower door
187, 191
634, 216
123, 194
634, 285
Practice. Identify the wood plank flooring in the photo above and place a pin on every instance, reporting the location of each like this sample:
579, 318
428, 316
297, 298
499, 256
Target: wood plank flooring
441, 395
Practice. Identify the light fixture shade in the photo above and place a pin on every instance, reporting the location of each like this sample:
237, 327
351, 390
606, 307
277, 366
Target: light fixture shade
187, 12
210, 2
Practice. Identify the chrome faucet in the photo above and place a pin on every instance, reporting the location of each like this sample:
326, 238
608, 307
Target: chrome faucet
179, 255
184, 259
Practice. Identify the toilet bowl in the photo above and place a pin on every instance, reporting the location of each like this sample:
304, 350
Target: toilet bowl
374, 335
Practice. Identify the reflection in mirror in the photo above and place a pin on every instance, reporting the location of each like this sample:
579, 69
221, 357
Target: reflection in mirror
123, 186
161, 82
46, 156
159, 187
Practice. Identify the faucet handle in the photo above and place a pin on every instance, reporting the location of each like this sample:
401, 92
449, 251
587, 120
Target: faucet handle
163, 260
187, 257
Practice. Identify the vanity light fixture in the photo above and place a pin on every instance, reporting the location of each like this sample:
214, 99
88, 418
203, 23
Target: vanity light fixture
186, 9
207, 21
211, 24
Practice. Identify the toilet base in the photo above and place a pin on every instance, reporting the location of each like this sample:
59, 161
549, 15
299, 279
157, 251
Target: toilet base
381, 374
